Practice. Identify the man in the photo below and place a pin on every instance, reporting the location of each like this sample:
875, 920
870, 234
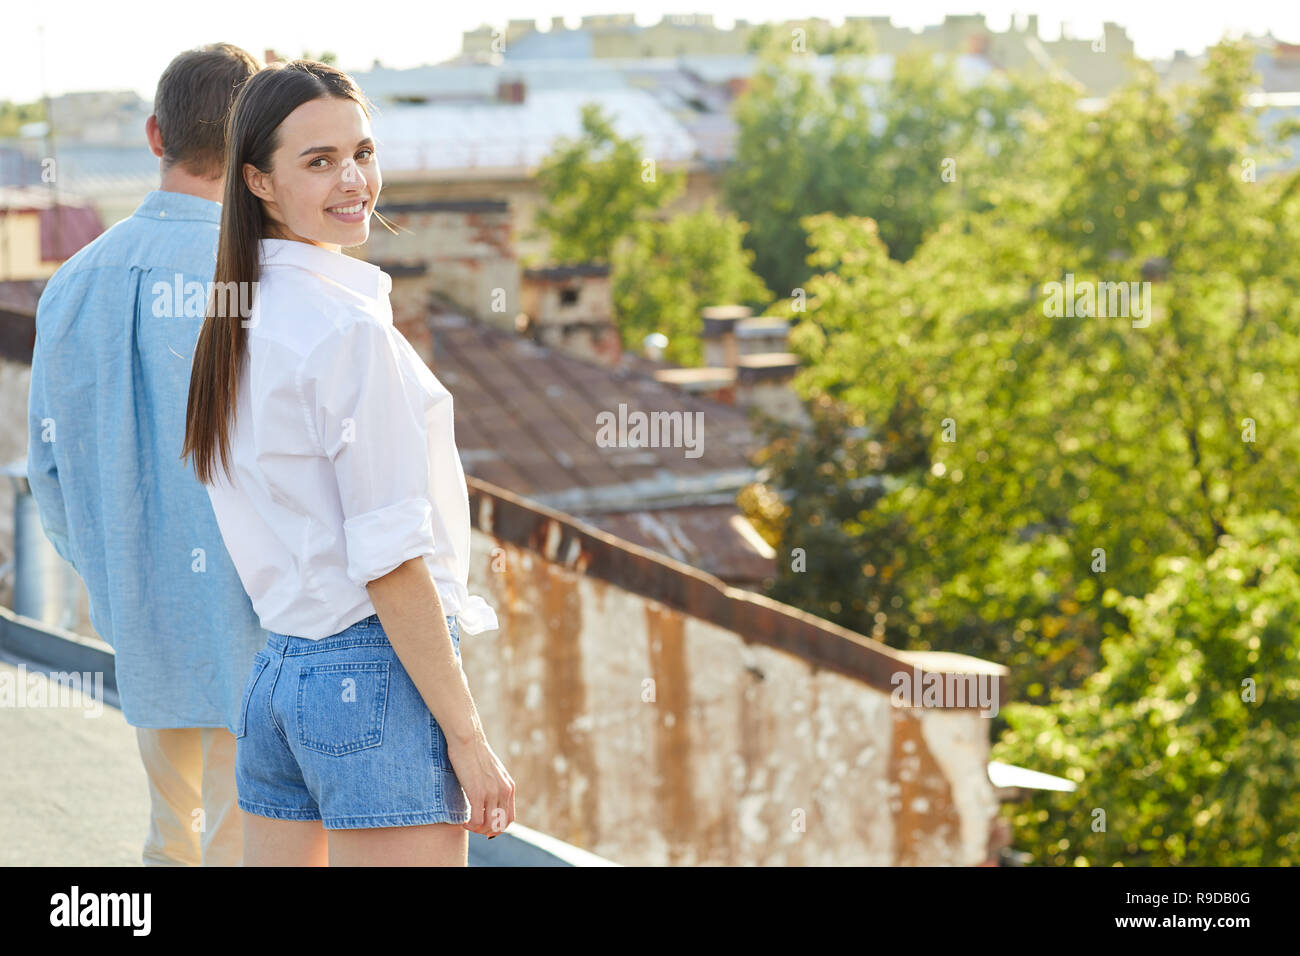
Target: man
115, 334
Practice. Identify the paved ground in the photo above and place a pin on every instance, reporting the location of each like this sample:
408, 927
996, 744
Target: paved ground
72, 789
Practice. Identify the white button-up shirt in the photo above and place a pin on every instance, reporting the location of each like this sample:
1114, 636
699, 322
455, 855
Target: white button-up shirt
343, 453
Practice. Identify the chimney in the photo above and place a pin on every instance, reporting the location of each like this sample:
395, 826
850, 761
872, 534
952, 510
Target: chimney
763, 382
761, 334
568, 308
746, 363
510, 90
719, 334
269, 56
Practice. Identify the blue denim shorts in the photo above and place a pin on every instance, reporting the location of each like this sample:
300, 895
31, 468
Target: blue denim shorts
335, 730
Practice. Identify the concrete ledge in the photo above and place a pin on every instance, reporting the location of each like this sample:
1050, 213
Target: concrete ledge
584, 549
524, 846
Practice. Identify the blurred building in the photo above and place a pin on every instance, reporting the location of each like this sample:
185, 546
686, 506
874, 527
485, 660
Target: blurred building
40, 229
1276, 94
93, 146
1097, 64
478, 126
478, 131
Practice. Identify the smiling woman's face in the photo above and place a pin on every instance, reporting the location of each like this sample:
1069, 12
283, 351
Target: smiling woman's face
324, 180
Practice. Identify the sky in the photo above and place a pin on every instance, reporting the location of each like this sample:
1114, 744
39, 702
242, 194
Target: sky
93, 45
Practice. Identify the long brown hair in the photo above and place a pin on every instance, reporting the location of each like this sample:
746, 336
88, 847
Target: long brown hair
264, 102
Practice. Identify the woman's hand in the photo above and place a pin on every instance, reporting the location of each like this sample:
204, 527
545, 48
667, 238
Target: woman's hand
483, 777
410, 609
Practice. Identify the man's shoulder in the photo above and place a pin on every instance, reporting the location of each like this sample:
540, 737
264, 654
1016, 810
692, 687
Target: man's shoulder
90, 256
137, 242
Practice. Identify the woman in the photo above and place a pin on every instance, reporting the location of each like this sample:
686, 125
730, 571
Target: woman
343, 505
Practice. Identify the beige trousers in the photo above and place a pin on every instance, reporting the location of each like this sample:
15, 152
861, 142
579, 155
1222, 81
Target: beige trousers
194, 819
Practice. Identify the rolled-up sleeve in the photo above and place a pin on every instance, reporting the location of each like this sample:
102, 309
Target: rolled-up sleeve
372, 426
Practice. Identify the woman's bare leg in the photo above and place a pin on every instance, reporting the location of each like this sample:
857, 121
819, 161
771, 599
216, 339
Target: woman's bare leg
435, 844
269, 842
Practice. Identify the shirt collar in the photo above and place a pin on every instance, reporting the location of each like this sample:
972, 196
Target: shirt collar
359, 276
163, 204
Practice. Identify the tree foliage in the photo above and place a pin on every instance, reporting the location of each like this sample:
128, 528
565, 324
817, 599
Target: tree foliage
1071, 468
668, 271
1184, 746
1071, 438
595, 187
601, 206
13, 116
851, 143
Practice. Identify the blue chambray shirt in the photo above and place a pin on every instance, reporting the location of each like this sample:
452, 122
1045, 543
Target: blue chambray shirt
106, 420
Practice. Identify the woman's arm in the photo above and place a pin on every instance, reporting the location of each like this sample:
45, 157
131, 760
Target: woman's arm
410, 610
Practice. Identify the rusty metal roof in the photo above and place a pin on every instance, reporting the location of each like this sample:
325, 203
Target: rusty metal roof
526, 419
717, 539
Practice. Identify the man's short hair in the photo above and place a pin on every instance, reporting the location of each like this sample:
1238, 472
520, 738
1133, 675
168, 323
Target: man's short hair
192, 105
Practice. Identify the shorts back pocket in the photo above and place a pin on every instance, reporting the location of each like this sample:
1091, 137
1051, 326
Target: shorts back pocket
341, 706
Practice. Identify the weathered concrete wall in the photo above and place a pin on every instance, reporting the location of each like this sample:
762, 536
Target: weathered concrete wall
654, 737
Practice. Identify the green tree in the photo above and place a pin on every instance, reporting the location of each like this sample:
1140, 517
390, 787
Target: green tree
910, 151
1067, 453
328, 57
1096, 490
813, 37
838, 555
595, 187
780, 158
1188, 739
666, 272
15, 115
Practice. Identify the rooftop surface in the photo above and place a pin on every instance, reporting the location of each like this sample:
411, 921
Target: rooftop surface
526, 419
75, 792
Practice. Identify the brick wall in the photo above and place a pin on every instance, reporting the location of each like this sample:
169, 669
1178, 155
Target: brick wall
465, 247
